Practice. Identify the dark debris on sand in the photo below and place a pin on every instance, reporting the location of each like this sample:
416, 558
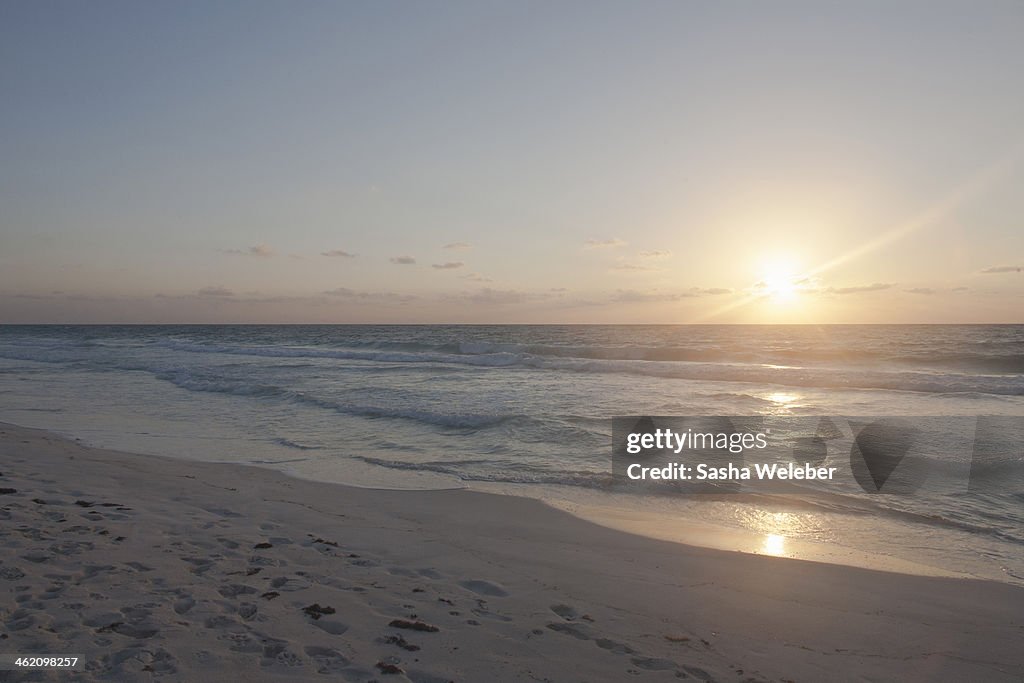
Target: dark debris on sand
325, 542
386, 668
109, 627
414, 625
316, 611
402, 643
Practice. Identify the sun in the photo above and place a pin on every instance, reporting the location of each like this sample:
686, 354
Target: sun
780, 279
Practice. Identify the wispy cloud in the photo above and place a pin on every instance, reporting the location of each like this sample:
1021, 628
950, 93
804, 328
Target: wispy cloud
338, 253
633, 296
261, 250
1004, 269
449, 265
403, 260
858, 289
369, 297
36, 296
66, 296
628, 267
458, 245
655, 254
604, 244
655, 295
476, 277
215, 291
929, 291
502, 297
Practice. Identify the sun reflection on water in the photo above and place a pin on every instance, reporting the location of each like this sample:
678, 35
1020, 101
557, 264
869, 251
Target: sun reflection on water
774, 544
777, 527
783, 401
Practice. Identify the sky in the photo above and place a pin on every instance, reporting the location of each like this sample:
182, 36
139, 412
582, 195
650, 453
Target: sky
511, 162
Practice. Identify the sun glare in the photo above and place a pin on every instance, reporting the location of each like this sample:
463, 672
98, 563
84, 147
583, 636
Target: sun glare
780, 280
774, 544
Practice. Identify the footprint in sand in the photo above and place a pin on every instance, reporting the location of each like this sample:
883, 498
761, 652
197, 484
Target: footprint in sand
235, 589
11, 573
139, 631
220, 621
402, 571
26, 600
101, 619
363, 562
183, 605
614, 646
92, 570
53, 592
278, 653
288, 584
326, 660
37, 556
488, 588
424, 677
19, 620
583, 632
223, 512
564, 611
702, 675
200, 565
243, 642
578, 632
335, 628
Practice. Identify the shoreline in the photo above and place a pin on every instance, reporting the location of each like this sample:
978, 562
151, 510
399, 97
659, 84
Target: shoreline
729, 539
155, 568
612, 511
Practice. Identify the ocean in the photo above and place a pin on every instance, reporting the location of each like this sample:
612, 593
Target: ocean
527, 410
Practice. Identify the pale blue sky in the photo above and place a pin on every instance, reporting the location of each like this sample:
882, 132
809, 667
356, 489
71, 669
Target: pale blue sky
171, 162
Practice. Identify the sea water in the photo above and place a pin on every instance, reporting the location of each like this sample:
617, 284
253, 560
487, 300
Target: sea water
527, 410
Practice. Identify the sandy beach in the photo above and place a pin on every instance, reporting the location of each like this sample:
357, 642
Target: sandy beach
157, 569
497, 342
